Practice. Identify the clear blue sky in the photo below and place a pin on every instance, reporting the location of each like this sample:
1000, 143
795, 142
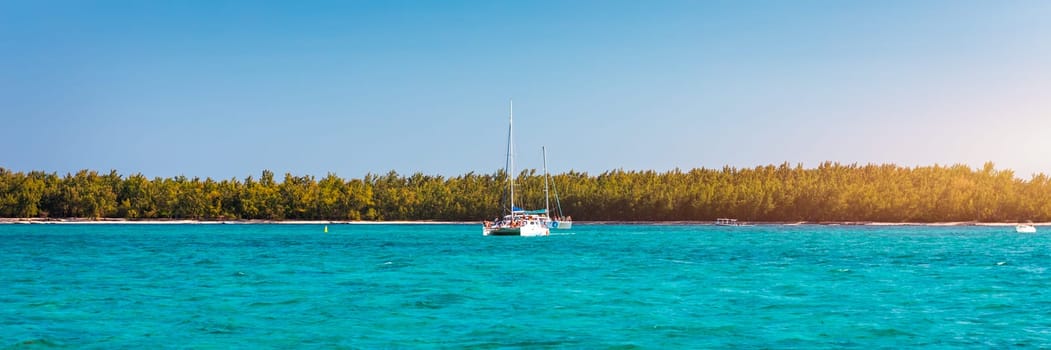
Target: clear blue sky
228, 88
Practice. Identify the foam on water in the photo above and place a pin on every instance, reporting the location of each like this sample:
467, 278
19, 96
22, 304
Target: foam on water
606, 286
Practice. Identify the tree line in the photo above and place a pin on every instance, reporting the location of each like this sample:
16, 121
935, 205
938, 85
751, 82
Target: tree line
829, 192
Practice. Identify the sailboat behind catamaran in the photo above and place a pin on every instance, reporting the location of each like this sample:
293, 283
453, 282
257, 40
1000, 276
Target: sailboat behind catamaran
559, 221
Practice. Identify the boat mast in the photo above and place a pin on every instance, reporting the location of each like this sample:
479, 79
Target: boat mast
547, 200
511, 156
558, 203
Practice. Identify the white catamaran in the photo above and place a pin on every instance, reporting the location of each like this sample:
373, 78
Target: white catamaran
517, 222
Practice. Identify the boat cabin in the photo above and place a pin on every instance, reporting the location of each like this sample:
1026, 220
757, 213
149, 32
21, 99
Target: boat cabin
726, 222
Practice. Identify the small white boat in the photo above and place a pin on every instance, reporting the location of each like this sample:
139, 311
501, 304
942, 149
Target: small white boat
729, 222
1025, 228
726, 222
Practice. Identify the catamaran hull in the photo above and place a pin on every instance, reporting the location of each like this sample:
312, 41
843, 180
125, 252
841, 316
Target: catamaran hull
516, 231
561, 225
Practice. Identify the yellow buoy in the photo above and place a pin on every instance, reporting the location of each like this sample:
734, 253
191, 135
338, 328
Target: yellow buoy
326, 228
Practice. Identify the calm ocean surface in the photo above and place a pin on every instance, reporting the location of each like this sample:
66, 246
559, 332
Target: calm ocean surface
597, 286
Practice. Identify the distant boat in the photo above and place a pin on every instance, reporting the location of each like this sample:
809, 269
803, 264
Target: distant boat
728, 222
560, 221
516, 222
1025, 228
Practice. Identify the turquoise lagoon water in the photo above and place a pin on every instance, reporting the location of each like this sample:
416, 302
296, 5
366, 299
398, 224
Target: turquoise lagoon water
597, 286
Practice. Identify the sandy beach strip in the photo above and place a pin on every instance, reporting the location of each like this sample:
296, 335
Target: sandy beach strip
428, 222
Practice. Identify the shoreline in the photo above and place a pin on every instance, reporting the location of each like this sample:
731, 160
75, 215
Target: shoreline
61, 221
430, 222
